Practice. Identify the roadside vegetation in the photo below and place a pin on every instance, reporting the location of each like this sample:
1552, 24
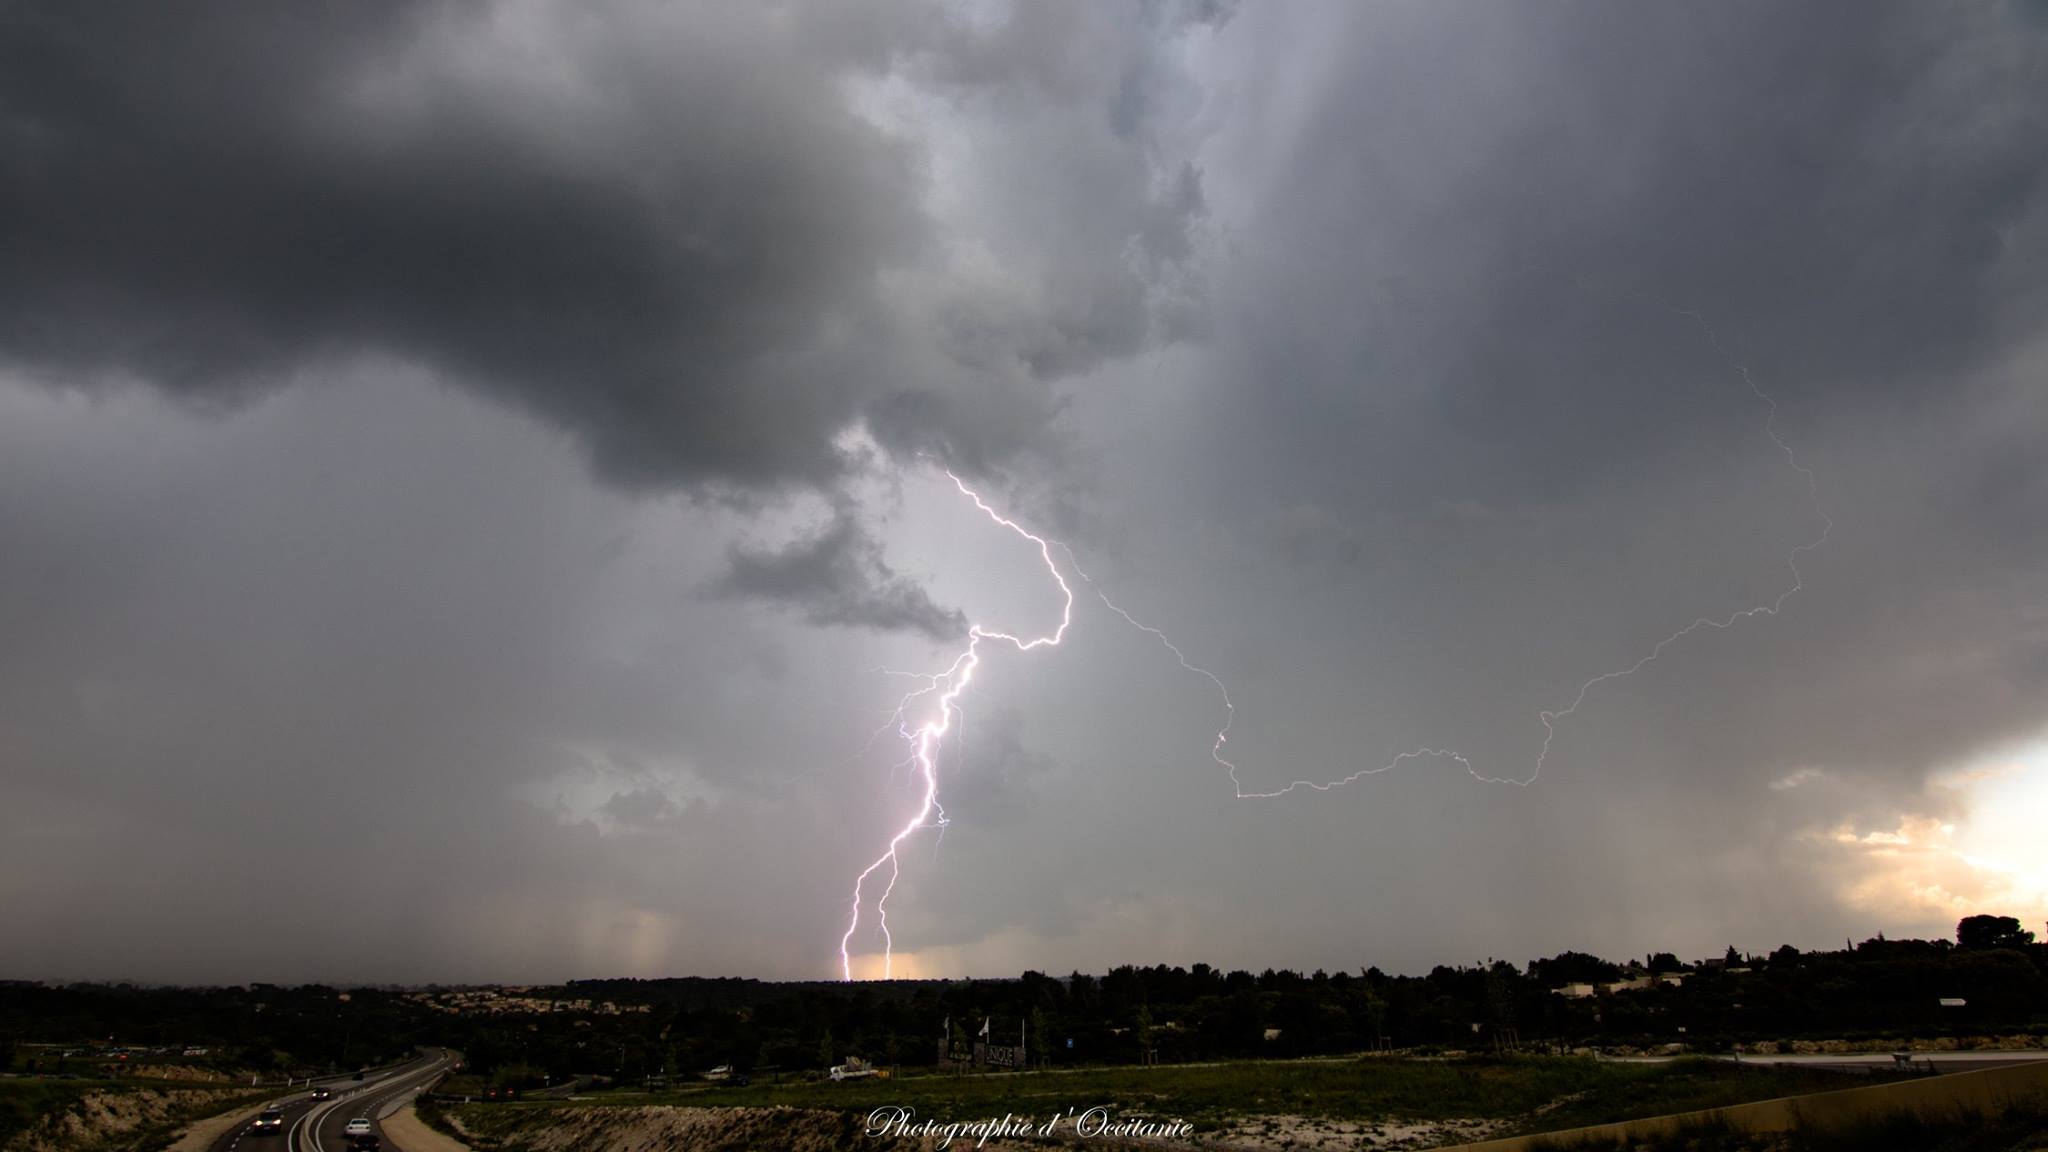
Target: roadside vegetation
107, 1116
23, 1102
1534, 1093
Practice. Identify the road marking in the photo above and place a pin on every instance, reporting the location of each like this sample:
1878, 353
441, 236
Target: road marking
399, 1082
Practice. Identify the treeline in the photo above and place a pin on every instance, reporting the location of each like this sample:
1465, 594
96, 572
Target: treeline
1877, 988
260, 1028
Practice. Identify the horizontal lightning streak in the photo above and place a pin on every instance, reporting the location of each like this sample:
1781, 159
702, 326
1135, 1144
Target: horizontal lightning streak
1548, 718
949, 685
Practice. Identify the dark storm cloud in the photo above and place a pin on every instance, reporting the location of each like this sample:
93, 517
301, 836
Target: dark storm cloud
663, 227
1485, 221
1446, 447
1474, 444
838, 577
1504, 289
210, 202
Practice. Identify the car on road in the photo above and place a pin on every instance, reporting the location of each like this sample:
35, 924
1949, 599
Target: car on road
268, 1121
367, 1142
323, 1093
357, 1127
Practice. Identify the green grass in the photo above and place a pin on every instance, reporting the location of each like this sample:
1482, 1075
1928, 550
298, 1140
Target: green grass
1569, 1090
1690, 1086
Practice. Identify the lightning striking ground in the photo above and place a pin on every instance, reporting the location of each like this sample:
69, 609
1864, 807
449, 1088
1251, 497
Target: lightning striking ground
926, 737
950, 684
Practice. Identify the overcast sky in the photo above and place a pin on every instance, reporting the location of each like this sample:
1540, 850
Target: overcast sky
470, 470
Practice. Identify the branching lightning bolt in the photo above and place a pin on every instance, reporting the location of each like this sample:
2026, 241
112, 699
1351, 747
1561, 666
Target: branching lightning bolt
926, 738
949, 685
1547, 717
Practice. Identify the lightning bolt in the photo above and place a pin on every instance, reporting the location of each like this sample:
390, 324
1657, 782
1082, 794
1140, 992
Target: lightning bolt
949, 685
926, 738
1548, 718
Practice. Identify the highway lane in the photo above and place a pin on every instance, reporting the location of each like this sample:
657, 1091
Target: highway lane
298, 1106
324, 1128
293, 1108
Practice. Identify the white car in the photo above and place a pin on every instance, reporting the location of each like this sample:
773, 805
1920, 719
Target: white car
357, 1127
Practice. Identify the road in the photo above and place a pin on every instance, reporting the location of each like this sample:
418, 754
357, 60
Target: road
1968, 1061
318, 1125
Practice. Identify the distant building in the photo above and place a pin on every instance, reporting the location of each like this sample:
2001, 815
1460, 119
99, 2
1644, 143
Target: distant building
1573, 991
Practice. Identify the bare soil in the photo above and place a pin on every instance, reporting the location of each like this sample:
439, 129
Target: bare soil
102, 1117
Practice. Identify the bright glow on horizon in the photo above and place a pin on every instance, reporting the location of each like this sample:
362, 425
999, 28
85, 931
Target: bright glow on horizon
2008, 796
1983, 854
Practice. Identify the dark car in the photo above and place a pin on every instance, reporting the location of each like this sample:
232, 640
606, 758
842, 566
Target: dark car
323, 1093
367, 1142
270, 1121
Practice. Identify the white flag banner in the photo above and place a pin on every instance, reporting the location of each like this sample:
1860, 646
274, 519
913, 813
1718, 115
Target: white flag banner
984, 1025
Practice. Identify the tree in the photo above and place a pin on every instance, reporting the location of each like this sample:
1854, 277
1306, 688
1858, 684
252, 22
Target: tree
828, 1052
1566, 968
1991, 932
1375, 1010
511, 1076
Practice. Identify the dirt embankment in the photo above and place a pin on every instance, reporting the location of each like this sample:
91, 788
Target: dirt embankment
620, 1129
1283, 1133
110, 1119
406, 1132
190, 1072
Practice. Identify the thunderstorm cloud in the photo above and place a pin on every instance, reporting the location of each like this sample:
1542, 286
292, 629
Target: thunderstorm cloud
838, 576
414, 421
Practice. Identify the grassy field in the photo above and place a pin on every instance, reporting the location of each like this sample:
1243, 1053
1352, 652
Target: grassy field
1689, 1086
1538, 1092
